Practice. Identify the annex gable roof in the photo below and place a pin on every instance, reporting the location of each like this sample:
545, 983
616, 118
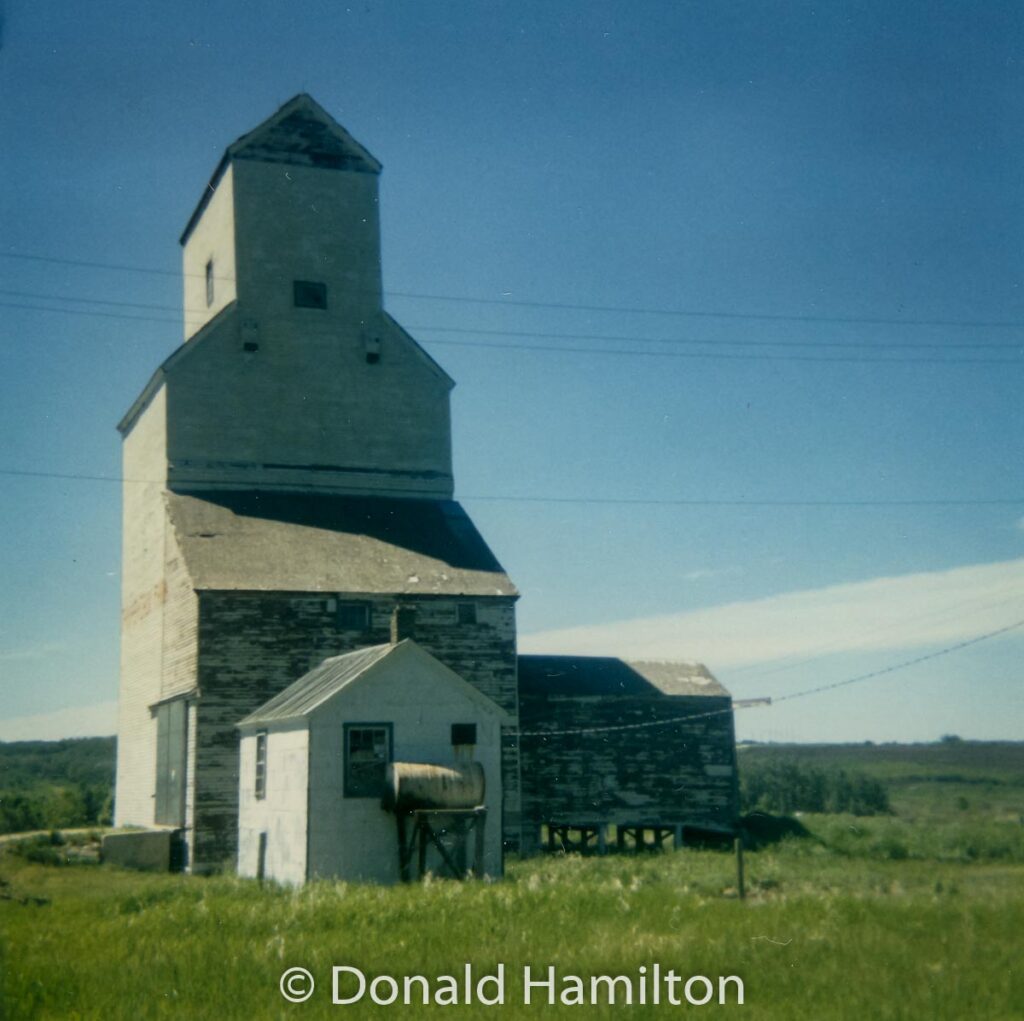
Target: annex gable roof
583, 676
325, 542
302, 698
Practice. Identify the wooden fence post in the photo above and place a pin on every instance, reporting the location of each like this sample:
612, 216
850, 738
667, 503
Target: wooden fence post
739, 868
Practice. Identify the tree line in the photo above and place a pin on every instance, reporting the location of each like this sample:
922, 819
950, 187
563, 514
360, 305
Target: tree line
54, 784
784, 786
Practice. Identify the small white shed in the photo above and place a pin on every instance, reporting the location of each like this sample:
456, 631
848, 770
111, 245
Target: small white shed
314, 759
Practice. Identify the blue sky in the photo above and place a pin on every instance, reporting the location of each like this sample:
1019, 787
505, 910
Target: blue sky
849, 173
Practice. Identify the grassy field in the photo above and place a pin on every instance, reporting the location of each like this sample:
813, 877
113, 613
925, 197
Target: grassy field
914, 915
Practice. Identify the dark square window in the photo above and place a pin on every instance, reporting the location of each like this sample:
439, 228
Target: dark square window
209, 283
309, 294
260, 785
463, 733
367, 754
353, 616
466, 613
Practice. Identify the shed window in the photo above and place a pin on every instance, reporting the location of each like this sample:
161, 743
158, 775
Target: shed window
209, 283
367, 754
171, 747
465, 613
309, 294
463, 733
260, 783
353, 616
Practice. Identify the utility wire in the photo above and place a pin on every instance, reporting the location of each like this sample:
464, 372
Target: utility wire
90, 301
809, 655
88, 312
860, 344
615, 352
717, 356
893, 668
537, 334
702, 314
901, 666
612, 501
578, 307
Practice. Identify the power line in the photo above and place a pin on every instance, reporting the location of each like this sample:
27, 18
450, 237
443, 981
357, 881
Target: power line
117, 267
87, 312
626, 726
814, 344
90, 301
717, 356
643, 502
893, 668
928, 345
901, 666
702, 314
615, 352
610, 501
579, 307
805, 656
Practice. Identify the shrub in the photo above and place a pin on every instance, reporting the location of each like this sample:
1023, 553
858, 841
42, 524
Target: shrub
785, 786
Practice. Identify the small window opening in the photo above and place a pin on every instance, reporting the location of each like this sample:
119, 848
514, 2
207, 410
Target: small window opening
466, 613
463, 733
371, 345
260, 785
209, 283
353, 616
250, 346
309, 294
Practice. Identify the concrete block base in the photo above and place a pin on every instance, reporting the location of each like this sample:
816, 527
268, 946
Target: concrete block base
149, 850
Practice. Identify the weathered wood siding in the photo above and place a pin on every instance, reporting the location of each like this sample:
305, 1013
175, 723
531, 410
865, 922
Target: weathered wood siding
338, 421
159, 615
143, 595
672, 775
254, 644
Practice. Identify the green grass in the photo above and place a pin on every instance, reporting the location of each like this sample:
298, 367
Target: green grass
913, 915
823, 934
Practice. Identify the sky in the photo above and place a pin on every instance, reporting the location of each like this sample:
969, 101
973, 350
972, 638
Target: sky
731, 293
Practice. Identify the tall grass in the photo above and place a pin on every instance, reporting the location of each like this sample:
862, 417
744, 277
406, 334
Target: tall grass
823, 934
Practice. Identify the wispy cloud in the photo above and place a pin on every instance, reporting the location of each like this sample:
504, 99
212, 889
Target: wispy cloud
903, 612
33, 652
707, 573
80, 721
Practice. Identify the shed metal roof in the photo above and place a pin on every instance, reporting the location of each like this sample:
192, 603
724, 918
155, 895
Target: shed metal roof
325, 542
584, 676
314, 688
333, 675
